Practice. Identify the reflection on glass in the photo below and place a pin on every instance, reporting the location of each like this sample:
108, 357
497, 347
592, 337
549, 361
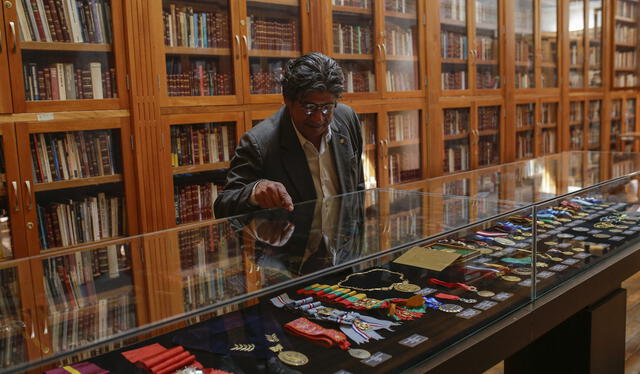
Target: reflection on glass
576, 125
625, 58
576, 43
6, 245
525, 45
524, 144
197, 46
369, 125
404, 146
487, 45
549, 43
595, 43
616, 123
13, 343
489, 135
454, 44
594, 125
401, 45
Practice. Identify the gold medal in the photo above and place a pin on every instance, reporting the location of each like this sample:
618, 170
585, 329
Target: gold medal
511, 278
504, 241
615, 231
551, 244
556, 259
359, 353
542, 264
293, 358
485, 251
486, 293
521, 271
526, 233
567, 253
577, 249
563, 219
406, 287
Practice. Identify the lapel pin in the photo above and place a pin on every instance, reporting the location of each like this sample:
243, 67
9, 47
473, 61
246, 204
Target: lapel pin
341, 140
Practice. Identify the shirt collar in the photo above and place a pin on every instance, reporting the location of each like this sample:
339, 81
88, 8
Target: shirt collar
326, 137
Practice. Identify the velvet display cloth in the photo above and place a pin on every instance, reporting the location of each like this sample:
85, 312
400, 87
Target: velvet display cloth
82, 368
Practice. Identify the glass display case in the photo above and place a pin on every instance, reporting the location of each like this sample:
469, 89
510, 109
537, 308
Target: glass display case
381, 279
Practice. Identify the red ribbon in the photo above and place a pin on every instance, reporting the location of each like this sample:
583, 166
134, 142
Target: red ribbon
452, 285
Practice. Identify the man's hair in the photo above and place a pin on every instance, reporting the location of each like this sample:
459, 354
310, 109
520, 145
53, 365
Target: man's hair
309, 73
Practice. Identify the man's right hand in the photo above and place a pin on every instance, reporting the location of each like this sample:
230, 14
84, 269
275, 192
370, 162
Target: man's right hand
270, 194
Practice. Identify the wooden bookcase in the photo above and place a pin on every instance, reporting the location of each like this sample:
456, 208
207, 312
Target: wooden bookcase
625, 20
537, 127
586, 50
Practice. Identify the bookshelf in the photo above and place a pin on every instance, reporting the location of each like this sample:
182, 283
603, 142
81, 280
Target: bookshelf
630, 122
577, 116
66, 55
626, 17
615, 122
594, 128
585, 43
537, 128
403, 146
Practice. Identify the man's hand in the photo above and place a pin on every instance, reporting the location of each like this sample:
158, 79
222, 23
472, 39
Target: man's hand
270, 194
273, 232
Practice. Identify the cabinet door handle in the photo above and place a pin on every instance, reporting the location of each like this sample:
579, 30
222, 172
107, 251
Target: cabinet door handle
384, 48
28, 184
246, 45
237, 46
379, 51
14, 184
12, 25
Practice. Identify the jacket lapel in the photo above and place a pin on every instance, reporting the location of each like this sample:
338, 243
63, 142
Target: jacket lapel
294, 161
343, 156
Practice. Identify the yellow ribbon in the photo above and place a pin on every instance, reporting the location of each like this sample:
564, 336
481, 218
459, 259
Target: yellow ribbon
71, 370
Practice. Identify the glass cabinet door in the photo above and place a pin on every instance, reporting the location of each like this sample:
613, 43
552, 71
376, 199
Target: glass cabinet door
525, 130
594, 116
487, 42
403, 146
576, 125
548, 24
594, 17
6, 103
576, 43
615, 123
369, 125
626, 43
457, 134
354, 43
525, 44
12, 241
489, 135
629, 125
400, 45
454, 44
17, 342
548, 135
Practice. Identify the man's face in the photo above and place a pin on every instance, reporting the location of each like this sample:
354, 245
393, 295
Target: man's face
312, 113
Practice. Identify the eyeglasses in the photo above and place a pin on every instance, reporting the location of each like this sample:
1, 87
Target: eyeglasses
310, 108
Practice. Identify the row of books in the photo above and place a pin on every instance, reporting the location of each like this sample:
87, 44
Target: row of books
401, 80
203, 143
595, 76
453, 9
626, 9
525, 77
458, 187
366, 4
13, 348
404, 125
488, 77
400, 6
10, 308
548, 141
549, 113
266, 82
576, 109
74, 21
75, 328
80, 221
399, 41
525, 49
75, 281
486, 48
576, 136
199, 78
575, 54
456, 121
594, 110
358, 80
352, 39
576, 78
594, 136
456, 155
205, 245
626, 34
595, 57
488, 118
622, 79
65, 81
184, 27
368, 126
207, 287
71, 155
273, 34
487, 13
404, 165
625, 59
453, 45
456, 212
404, 227
525, 115
524, 144
616, 129
194, 202
455, 80
488, 150
549, 48
549, 77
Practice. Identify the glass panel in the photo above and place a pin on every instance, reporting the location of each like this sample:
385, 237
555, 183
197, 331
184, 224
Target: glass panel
626, 144
489, 135
625, 59
454, 44
525, 45
549, 43
81, 68
525, 121
406, 217
200, 156
549, 128
72, 208
576, 125
524, 144
401, 45
525, 115
594, 124
576, 43
369, 124
13, 341
487, 44
353, 43
630, 115
6, 242
595, 43
456, 139
198, 48
458, 188
404, 146
616, 122
273, 37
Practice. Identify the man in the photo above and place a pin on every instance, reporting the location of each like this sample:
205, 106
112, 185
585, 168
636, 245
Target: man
310, 149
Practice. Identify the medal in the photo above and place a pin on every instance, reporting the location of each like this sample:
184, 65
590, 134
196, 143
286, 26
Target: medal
565, 220
359, 353
406, 287
450, 308
518, 237
486, 293
541, 264
577, 249
567, 253
504, 241
511, 278
521, 271
293, 358
565, 236
485, 251
526, 233
580, 229
551, 244
601, 236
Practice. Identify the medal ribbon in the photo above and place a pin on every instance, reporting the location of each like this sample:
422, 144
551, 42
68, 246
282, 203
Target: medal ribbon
491, 233
452, 285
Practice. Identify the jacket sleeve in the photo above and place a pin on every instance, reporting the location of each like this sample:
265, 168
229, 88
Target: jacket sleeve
356, 134
244, 173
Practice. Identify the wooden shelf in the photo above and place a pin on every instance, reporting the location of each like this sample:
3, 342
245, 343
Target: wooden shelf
525, 128
487, 132
73, 47
352, 10
580, 123
487, 26
549, 65
345, 56
549, 126
452, 22
403, 143
487, 62
200, 168
626, 19
402, 58
625, 45
294, 3
94, 244
454, 61
526, 64
273, 54
464, 135
630, 70
75, 183
197, 51
388, 13
370, 147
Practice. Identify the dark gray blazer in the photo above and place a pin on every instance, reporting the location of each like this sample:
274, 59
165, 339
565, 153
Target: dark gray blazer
271, 150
